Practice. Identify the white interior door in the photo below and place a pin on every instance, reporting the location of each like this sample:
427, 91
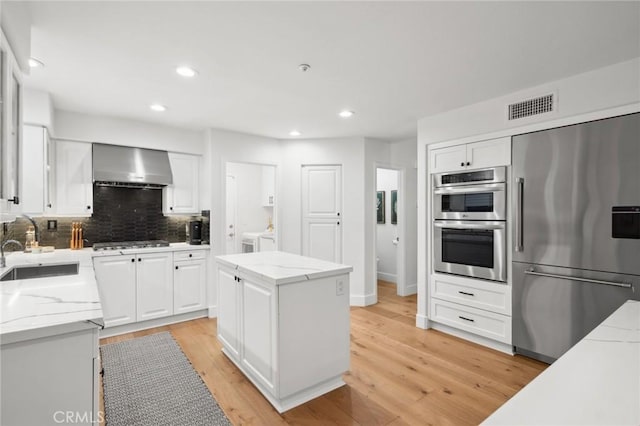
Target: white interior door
230, 225
322, 212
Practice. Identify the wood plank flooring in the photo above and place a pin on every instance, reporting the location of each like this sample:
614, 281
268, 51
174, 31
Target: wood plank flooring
400, 374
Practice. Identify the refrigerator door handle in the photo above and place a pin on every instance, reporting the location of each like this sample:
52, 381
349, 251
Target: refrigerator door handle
530, 271
519, 224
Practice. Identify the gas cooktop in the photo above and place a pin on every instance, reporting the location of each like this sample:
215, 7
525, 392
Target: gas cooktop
122, 245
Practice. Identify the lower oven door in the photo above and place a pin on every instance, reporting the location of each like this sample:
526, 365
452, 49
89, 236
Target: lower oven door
471, 248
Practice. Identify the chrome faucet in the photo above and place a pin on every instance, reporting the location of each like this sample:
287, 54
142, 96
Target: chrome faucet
35, 227
3, 260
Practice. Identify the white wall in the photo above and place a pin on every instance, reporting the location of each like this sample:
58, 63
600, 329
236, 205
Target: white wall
15, 20
387, 181
37, 109
597, 94
122, 131
250, 214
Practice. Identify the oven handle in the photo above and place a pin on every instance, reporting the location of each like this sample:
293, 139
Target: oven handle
469, 225
493, 187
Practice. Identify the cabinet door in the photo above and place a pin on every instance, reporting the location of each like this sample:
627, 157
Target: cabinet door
74, 180
448, 159
229, 312
322, 239
321, 191
189, 286
491, 153
116, 277
154, 289
259, 317
33, 169
267, 244
182, 196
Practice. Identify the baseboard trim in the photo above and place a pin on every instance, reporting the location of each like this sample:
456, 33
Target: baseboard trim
409, 290
157, 322
392, 278
366, 300
213, 311
422, 322
480, 340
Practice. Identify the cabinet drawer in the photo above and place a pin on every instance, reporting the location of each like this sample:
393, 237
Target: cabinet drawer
483, 323
482, 294
189, 255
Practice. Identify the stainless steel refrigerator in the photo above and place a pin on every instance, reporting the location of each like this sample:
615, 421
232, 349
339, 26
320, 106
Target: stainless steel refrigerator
576, 204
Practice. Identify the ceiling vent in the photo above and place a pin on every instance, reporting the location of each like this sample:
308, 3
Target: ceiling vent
535, 106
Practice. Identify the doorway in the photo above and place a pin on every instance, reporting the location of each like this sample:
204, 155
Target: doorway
389, 253
250, 207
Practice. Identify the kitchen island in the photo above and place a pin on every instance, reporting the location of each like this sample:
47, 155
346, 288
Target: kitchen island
283, 320
597, 382
49, 359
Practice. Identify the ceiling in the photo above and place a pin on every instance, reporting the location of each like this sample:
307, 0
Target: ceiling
390, 62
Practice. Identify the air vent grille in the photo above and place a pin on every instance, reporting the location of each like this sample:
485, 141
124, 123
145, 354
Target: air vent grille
531, 107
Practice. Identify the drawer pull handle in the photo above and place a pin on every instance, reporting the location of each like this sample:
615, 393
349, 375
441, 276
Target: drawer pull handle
466, 319
466, 294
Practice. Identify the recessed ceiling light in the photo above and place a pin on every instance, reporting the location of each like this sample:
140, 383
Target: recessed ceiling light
186, 72
34, 63
346, 114
158, 107
294, 133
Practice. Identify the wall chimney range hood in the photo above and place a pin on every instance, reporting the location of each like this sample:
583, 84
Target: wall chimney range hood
124, 166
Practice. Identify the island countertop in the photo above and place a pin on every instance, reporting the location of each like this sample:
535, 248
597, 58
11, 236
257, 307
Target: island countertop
597, 382
33, 306
278, 267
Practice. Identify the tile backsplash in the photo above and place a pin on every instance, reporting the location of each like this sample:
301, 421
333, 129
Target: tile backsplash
119, 214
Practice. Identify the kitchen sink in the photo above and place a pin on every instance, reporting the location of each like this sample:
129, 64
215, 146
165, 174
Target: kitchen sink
40, 271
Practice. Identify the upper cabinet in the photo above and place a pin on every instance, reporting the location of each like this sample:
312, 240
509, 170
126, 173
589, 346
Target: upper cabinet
10, 134
182, 197
268, 186
36, 171
74, 179
476, 155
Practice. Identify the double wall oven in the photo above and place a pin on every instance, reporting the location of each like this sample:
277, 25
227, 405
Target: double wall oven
469, 226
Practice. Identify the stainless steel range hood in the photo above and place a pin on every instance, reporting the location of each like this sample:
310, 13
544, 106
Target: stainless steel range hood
115, 165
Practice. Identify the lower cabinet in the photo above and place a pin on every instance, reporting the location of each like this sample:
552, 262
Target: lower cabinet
291, 340
154, 286
116, 276
46, 379
189, 285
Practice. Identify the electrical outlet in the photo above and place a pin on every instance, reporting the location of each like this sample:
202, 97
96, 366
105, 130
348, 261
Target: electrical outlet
339, 287
52, 225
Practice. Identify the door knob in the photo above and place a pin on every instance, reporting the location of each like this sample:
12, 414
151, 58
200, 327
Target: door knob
231, 235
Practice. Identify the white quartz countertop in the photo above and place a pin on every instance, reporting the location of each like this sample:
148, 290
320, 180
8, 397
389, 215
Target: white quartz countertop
597, 382
39, 303
278, 267
172, 247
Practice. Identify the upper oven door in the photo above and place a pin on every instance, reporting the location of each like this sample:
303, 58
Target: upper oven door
473, 249
473, 202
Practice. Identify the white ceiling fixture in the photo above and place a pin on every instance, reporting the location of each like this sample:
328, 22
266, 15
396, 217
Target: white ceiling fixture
187, 72
403, 60
158, 107
34, 63
294, 133
346, 114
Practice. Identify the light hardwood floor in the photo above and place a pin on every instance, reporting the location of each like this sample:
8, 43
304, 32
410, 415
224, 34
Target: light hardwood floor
400, 374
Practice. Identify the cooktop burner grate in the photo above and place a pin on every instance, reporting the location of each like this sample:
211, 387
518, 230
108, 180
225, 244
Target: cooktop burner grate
122, 245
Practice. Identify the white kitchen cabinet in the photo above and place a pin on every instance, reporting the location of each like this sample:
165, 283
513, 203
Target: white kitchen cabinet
116, 277
475, 155
229, 292
274, 332
36, 170
44, 378
154, 285
267, 243
268, 186
10, 134
189, 285
74, 179
182, 197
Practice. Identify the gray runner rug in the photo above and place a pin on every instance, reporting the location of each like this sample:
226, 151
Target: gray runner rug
149, 381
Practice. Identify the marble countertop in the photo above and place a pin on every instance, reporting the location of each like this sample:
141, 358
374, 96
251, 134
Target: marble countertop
40, 303
171, 247
597, 382
277, 267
